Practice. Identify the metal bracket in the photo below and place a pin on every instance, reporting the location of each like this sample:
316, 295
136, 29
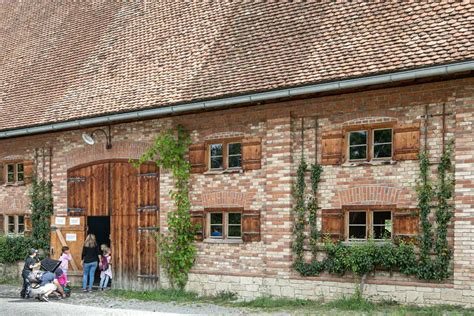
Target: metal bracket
147, 208
77, 209
148, 175
76, 180
150, 277
155, 229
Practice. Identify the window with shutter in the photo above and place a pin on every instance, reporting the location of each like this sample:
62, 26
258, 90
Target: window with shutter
332, 143
406, 225
332, 222
197, 158
197, 219
252, 153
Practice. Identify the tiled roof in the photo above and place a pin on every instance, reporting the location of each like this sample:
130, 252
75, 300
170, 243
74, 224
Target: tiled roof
63, 60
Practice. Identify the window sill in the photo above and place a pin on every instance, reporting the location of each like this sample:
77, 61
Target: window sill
224, 171
14, 184
223, 241
369, 163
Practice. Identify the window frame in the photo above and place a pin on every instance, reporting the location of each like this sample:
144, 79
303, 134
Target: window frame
15, 165
225, 224
373, 143
16, 224
225, 142
370, 128
367, 152
369, 210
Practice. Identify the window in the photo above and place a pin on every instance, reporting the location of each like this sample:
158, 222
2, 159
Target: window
15, 173
380, 141
369, 224
225, 155
14, 224
225, 225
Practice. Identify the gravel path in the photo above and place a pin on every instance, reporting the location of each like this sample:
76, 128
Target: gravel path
96, 303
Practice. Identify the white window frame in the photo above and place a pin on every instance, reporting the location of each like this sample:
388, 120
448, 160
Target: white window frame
17, 172
6, 224
234, 155
369, 224
211, 156
366, 145
373, 144
225, 225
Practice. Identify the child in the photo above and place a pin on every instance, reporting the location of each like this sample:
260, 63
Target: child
65, 258
31, 262
106, 269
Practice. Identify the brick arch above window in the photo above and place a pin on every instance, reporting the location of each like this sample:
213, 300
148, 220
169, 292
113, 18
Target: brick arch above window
369, 120
372, 195
97, 152
223, 135
224, 199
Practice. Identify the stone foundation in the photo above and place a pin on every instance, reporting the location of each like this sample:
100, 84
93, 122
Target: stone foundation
327, 289
11, 270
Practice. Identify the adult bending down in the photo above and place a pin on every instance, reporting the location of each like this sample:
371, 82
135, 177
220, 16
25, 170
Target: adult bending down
90, 259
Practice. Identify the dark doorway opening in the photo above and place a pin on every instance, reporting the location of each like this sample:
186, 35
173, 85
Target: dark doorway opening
100, 227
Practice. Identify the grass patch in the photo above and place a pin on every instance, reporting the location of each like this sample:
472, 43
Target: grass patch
344, 306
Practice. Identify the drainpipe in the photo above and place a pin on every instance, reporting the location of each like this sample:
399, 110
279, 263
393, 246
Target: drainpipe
249, 98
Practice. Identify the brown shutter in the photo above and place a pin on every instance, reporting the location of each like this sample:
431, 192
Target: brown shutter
333, 224
197, 158
406, 141
332, 151
252, 153
197, 219
251, 226
2, 224
2, 174
405, 225
29, 171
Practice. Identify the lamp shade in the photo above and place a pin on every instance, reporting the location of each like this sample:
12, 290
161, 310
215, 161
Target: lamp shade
88, 139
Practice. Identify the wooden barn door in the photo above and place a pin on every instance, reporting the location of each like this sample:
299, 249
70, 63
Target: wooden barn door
134, 224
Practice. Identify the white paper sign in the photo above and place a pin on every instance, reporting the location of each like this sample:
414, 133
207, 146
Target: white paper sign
71, 237
74, 221
60, 221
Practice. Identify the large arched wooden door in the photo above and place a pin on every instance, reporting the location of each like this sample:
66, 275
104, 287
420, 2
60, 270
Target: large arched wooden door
130, 196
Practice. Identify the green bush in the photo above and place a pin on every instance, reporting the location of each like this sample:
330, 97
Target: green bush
14, 249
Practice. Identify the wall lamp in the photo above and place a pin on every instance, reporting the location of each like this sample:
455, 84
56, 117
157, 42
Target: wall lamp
89, 138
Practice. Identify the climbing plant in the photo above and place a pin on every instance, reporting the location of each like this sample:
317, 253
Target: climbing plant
41, 210
299, 213
177, 252
314, 235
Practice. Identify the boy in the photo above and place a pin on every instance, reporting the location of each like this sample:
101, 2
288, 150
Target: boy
31, 262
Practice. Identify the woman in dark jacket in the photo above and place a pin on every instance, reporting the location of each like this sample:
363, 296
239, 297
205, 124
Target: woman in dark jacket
90, 259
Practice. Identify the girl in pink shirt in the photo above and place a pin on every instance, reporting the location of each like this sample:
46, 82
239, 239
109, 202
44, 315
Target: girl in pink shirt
65, 258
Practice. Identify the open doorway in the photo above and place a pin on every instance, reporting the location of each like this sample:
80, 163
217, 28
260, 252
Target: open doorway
100, 227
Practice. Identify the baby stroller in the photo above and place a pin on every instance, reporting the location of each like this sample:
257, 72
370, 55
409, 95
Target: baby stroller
34, 279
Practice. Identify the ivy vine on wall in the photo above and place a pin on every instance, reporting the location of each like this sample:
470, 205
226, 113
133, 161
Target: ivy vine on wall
177, 251
363, 258
41, 211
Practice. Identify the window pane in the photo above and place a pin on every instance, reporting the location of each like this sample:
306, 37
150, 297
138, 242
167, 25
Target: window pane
234, 218
358, 152
11, 224
10, 173
358, 138
216, 218
235, 231
383, 136
20, 172
381, 233
21, 224
216, 150
235, 161
357, 218
235, 149
216, 230
217, 163
357, 232
383, 151
381, 217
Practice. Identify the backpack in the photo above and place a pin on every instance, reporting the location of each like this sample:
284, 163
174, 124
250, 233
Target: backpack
104, 264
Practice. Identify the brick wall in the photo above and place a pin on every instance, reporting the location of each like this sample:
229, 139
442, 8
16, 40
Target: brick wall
265, 267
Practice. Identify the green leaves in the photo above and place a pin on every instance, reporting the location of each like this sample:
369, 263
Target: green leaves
41, 210
177, 251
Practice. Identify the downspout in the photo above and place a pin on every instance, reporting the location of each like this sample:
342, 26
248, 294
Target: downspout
255, 97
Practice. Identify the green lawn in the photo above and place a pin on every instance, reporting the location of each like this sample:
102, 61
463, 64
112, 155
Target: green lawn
346, 306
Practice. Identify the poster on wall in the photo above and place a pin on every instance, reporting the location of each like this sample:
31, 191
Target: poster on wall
75, 221
60, 221
71, 237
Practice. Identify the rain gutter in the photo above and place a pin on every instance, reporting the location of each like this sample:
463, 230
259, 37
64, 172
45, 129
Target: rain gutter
440, 70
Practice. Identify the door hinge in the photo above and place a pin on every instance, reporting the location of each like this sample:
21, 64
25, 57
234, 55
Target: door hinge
76, 180
148, 175
147, 208
156, 229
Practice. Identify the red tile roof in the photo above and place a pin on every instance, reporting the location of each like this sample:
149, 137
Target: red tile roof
63, 60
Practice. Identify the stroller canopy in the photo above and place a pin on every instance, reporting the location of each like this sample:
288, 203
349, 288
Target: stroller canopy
50, 265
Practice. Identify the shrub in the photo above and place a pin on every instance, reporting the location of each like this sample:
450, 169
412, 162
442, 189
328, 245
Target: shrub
14, 249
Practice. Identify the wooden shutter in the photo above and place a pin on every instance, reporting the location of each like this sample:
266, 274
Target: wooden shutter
2, 173
197, 158
252, 153
29, 171
406, 141
198, 220
333, 224
405, 225
251, 226
332, 151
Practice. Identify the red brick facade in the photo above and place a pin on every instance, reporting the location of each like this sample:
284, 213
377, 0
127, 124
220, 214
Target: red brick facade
260, 267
